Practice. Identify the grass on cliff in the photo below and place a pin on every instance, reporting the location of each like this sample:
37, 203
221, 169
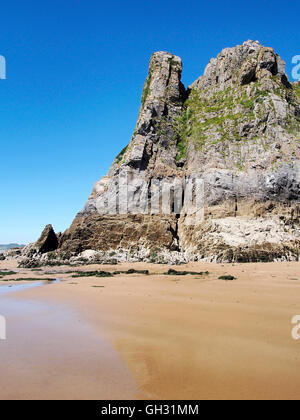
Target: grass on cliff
146, 90
121, 154
296, 88
216, 119
182, 150
183, 132
201, 115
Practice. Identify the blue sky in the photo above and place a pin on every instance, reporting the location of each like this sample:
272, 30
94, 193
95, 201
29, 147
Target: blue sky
75, 72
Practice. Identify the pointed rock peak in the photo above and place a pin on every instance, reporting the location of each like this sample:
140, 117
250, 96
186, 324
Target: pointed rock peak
162, 100
161, 57
164, 78
47, 241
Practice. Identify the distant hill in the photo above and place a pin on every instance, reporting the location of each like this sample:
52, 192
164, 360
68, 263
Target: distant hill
10, 246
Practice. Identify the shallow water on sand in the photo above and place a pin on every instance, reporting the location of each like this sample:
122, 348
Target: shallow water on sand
51, 353
4, 290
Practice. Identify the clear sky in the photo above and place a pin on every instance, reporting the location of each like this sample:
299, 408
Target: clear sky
75, 73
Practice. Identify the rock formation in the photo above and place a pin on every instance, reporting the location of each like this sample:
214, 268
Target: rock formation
47, 241
237, 129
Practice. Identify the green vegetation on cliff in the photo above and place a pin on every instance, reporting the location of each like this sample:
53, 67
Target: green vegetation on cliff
296, 87
146, 90
121, 154
231, 118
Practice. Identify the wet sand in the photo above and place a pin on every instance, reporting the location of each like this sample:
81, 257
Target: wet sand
181, 337
51, 353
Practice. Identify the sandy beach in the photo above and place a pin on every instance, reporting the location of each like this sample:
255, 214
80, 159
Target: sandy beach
158, 336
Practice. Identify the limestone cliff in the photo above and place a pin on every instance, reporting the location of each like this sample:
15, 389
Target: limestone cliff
151, 154
237, 128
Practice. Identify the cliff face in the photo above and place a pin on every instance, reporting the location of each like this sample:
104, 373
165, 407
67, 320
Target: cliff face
237, 129
151, 154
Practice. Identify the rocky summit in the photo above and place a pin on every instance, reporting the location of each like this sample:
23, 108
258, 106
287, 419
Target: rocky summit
237, 128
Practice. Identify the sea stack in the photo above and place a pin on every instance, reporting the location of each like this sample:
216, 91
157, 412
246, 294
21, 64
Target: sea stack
237, 129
